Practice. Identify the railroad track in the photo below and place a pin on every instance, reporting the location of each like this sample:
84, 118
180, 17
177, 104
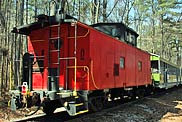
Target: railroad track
59, 116
63, 116
56, 117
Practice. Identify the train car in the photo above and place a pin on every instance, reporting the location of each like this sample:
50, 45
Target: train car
164, 74
73, 65
125, 66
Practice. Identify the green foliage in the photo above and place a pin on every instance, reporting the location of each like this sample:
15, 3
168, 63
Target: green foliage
163, 23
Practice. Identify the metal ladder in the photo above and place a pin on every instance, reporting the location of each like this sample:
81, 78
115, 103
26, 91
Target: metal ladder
51, 77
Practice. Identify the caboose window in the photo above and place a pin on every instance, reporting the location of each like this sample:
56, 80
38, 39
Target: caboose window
155, 66
139, 66
132, 38
116, 69
122, 62
126, 36
116, 33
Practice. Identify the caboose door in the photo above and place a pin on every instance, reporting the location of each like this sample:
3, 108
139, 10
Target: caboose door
70, 65
76, 58
67, 60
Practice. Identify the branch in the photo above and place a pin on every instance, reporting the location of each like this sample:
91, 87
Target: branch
122, 17
179, 17
112, 8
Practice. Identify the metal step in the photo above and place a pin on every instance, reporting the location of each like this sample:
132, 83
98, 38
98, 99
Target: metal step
40, 59
81, 112
61, 93
76, 97
54, 63
54, 38
37, 56
65, 94
54, 50
79, 104
54, 25
38, 67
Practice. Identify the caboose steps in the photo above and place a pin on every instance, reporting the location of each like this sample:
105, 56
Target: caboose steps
78, 104
66, 93
76, 108
81, 112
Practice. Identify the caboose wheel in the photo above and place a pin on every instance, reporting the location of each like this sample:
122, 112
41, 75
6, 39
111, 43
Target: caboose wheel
97, 104
48, 107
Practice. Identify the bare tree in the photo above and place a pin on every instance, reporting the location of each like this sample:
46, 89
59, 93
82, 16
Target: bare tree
104, 10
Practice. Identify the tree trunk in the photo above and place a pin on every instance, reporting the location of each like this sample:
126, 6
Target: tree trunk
26, 42
162, 36
26, 11
35, 5
97, 12
104, 10
79, 9
153, 27
94, 11
0, 5
20, 43
2, 72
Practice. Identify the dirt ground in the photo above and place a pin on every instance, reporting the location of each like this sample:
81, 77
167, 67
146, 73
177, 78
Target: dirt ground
6, 114
166, 108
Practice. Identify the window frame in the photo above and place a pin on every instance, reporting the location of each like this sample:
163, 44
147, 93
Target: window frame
140, 66
122, 59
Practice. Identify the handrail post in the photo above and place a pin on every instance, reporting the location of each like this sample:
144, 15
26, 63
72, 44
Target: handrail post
74, 92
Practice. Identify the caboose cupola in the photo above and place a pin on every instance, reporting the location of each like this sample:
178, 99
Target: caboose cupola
119, 31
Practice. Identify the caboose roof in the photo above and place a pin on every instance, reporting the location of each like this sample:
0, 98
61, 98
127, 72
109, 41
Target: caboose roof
120, 24
42, 21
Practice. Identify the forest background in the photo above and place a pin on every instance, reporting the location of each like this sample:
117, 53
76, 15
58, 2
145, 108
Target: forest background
158, 22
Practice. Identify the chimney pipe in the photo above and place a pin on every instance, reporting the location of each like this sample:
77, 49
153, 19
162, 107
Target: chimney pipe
60, 12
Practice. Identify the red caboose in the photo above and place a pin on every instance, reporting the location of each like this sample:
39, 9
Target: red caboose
78, 66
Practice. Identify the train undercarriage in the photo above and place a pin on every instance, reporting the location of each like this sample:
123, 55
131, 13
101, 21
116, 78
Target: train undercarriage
80, 103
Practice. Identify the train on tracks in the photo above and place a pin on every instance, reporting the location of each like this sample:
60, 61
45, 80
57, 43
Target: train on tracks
77, 66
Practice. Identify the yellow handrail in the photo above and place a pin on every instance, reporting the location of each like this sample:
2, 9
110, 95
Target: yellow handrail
93, 80
72, 37
92, 76
85, 67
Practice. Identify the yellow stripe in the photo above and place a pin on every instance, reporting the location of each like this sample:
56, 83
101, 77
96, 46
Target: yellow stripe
81, 112
65, 93
79, 104
76, 97
72, 37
